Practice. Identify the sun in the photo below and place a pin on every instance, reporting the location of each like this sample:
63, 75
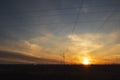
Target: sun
86, 61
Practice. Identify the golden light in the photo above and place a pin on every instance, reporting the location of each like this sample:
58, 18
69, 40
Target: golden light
86, 61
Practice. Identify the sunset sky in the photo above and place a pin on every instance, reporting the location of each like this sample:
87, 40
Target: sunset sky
44, 31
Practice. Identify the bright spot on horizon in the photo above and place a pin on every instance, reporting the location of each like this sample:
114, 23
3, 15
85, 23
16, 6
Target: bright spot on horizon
86, 61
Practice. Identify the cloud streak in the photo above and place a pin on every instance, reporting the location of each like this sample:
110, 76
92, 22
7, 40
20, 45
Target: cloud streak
14, 57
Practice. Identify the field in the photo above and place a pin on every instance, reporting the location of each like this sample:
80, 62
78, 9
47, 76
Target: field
59, 72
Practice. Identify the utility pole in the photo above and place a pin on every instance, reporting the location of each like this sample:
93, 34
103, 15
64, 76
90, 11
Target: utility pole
64, 58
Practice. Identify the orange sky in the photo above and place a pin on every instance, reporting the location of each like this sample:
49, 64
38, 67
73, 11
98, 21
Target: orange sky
49, 31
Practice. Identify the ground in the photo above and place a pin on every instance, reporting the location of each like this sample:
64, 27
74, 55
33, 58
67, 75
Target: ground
60, 72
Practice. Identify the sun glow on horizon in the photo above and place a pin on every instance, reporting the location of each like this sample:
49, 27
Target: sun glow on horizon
86, 61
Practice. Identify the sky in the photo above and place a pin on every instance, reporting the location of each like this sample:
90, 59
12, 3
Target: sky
54, 31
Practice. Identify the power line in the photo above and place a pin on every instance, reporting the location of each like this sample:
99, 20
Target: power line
57, 9
102, 25
77, 17
106, 20
62, 9
59, 14
74, 26
33, 24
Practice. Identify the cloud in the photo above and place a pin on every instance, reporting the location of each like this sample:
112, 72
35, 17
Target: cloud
14, 57
85, 43
21, 46
45, 46
75, 46
98, 46
94, 40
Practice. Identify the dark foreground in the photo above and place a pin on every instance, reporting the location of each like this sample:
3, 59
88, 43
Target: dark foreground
59, 72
